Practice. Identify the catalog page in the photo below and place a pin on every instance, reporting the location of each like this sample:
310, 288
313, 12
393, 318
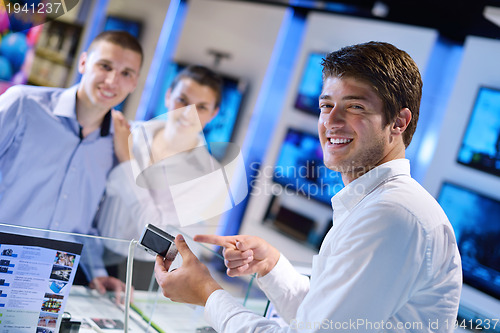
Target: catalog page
35, 278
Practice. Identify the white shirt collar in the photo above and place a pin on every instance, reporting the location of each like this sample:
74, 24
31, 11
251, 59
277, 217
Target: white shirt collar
346, 199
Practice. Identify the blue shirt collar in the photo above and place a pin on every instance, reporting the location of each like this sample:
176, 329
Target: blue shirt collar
66, 107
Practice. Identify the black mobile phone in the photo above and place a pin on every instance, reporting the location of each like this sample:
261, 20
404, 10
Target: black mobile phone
156, 241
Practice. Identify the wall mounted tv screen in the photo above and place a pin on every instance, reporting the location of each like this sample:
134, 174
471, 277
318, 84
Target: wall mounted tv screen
310, 84
476, 221
300, 169
221, 128
480, 147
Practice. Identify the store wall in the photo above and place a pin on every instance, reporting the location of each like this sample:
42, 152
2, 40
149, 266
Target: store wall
480, 67
324, 32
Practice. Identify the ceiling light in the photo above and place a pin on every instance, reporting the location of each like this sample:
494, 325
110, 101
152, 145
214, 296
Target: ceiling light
380, 9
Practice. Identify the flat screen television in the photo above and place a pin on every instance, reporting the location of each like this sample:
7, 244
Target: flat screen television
222, 127
480, 148
476, 221
288, 221
300, 169
310, 85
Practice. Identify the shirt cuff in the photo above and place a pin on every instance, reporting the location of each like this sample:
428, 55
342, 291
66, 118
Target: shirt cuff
93, 272
282, 268
220, 307
98, 272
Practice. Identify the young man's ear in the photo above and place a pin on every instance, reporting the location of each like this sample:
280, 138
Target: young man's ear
81, 62
216, 111
402, 121
135, 83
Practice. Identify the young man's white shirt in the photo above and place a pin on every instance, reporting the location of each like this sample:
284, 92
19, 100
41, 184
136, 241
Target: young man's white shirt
389, 263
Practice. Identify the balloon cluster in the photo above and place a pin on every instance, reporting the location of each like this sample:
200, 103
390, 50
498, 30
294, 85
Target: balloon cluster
16, 48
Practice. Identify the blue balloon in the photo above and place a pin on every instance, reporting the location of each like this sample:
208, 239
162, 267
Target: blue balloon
14, 47
5, 69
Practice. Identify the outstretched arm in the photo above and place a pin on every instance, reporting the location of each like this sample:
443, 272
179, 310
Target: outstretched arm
244, 254
281, 283
192, 283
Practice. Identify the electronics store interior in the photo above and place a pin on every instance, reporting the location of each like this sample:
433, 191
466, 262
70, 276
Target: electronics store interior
268, 169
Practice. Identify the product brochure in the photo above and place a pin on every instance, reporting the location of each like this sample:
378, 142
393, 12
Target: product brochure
35, 278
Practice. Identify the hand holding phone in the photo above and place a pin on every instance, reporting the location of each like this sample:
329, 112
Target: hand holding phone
156, 241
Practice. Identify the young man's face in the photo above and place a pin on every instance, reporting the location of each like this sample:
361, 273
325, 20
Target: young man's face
109, 73
351, 129
188, 92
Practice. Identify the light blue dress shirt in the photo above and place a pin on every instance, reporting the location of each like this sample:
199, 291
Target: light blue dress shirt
50, 177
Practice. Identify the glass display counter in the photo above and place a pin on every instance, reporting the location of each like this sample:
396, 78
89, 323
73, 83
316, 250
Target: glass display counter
43, 289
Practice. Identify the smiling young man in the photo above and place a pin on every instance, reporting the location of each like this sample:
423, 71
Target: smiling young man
390, 262
56, 145
110, 70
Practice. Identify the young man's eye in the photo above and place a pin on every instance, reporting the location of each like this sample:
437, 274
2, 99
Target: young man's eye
356, 107
325, 107
106, 67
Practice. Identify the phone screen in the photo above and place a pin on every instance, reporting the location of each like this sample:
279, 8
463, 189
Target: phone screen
156, 242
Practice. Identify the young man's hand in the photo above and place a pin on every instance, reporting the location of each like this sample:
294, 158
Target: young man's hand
190, 283
121, 136
109, 283
244, 254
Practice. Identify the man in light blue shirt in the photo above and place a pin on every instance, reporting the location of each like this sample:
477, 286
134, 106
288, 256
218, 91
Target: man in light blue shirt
56, 145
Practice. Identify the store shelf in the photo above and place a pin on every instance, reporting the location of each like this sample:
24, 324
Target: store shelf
55, 54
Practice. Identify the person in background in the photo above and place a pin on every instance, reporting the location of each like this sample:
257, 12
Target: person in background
57, 148
390, 261
176, 143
